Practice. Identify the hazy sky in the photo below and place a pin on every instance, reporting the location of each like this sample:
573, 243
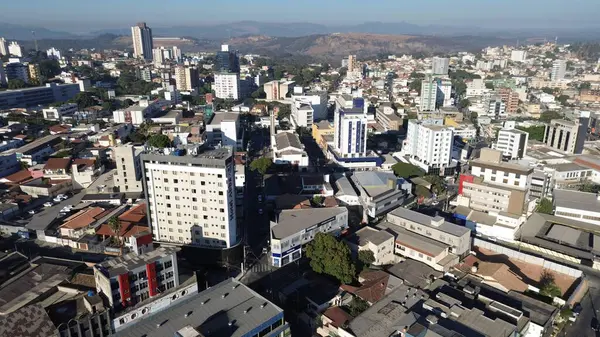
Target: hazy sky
87, 15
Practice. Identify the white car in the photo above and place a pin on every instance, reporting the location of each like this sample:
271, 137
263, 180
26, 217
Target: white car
32, 212
62, 197
48, 204
260, 198
260, 211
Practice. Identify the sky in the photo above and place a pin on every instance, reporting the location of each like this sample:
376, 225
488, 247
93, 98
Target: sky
87, 15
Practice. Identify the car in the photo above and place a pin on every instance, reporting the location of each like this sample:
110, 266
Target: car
62, 196
595, 324
260, 211
32, 212
435, 203
577, 308
48, 204
260, 198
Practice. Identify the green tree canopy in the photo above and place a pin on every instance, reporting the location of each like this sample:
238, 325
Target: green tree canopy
415, 85
160, 141
464, 103
329, 256
535, 132
16, 84
545, 206
407, 171
366, 257
357, 306
49, 68
548, 285
489, 85
84, 100
261, 165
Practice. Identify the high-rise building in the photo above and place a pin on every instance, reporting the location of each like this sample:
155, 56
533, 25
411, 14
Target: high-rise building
227, 85
559, 68
496, 108
191, 196
510, 98
444, 92
186, 78
518, 55
3, 47
429, 88
15, 49
351, 63
512, 142
350, 123
129, 167
567, 136
227, 61
53, 53
429, 143
440, 65
142, 41
177, 56
34, 73
17, 71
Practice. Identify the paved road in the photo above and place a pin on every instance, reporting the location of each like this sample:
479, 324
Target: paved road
591, 309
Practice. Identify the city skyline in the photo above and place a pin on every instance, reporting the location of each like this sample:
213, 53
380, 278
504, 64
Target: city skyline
74, 16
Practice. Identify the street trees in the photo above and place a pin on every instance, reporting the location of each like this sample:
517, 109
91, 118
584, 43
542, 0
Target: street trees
329, 256
261, 165
160, 141
365, 258
548, 286
405, 170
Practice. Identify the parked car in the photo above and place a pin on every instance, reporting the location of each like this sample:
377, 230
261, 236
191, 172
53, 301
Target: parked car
260, 211
48, 204
32, 212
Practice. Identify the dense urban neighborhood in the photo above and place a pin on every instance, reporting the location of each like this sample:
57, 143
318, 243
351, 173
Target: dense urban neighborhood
155, 192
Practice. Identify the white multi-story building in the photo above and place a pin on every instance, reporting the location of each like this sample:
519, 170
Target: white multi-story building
496, 108
444, 92
559, 68
512, 142
56, 113
428, 143
3, 47
429, 89
224, 129
186, 78
302, 113
134, 115
142, 41
475, 87
287, 149
577, 205
53, 53
518, 55
191, 196
350, 124
318, 102
162, 54
129, 167
15, 49
227, 85
439, 65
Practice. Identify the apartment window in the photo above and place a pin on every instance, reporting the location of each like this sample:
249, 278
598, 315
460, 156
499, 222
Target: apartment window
168, 197
176, 189
195, 208
168, 205
142, 275
202, 183
219, 176
166, 180
175, 181
194, 199
194, 191
193, 182
169, 264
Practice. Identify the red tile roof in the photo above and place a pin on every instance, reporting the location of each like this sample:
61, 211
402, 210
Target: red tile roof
84, 163
135, 214
127, 230
57, 164
338, 316
19, 177
58, 129
373, 286
84, 218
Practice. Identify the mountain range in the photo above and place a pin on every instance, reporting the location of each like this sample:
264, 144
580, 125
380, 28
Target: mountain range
222, 31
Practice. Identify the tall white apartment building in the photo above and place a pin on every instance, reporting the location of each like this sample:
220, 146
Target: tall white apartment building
439, 65
429, 89
224, 129
15, 49
350, 124
227, 85
512, 142
444, 92
186, 78
302, 113
191, 196
518, 55
162, 54
142, 41
53, 53
317, 100
3, 47
428, 143
559, 68
129, 167
496, 108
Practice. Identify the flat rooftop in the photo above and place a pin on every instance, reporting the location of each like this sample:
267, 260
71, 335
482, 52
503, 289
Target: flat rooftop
445, 226
375, 183
293, 221
211, 312
223, 117
503, 166
415, 241
131, 261
287, 139
576, 200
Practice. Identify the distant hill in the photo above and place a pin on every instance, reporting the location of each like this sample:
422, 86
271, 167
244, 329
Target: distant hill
19, 32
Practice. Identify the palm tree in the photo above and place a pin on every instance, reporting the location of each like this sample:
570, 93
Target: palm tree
115, 225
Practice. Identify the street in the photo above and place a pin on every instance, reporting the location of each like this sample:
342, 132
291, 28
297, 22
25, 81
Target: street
590, 310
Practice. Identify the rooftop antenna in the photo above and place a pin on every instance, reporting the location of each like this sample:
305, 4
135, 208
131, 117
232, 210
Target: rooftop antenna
35, 40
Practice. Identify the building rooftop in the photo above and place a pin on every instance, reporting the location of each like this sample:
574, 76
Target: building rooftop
224, 117
287, 139
123, 264
370, 235
29, 321
502, 166
568, 167
415, 241
37, 143
344, 187
576, 200
375, 183
293, 221
414, 273
426, 220
229, 309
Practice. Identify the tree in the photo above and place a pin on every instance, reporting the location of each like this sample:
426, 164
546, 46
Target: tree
407, 171
329, 256
563, 99
115, 226
415, 85
49, 68
318, 200
84, 100
548, 286
590, 188
535, 132
585, 85
357, 306
489, 85
261, 165
464, 103
545, 206
16, 84
160, 141
366, 257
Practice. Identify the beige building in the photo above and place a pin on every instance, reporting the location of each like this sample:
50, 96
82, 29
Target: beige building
129, 168
186, 78
142, 41
379, 242
278, 90
34, 73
